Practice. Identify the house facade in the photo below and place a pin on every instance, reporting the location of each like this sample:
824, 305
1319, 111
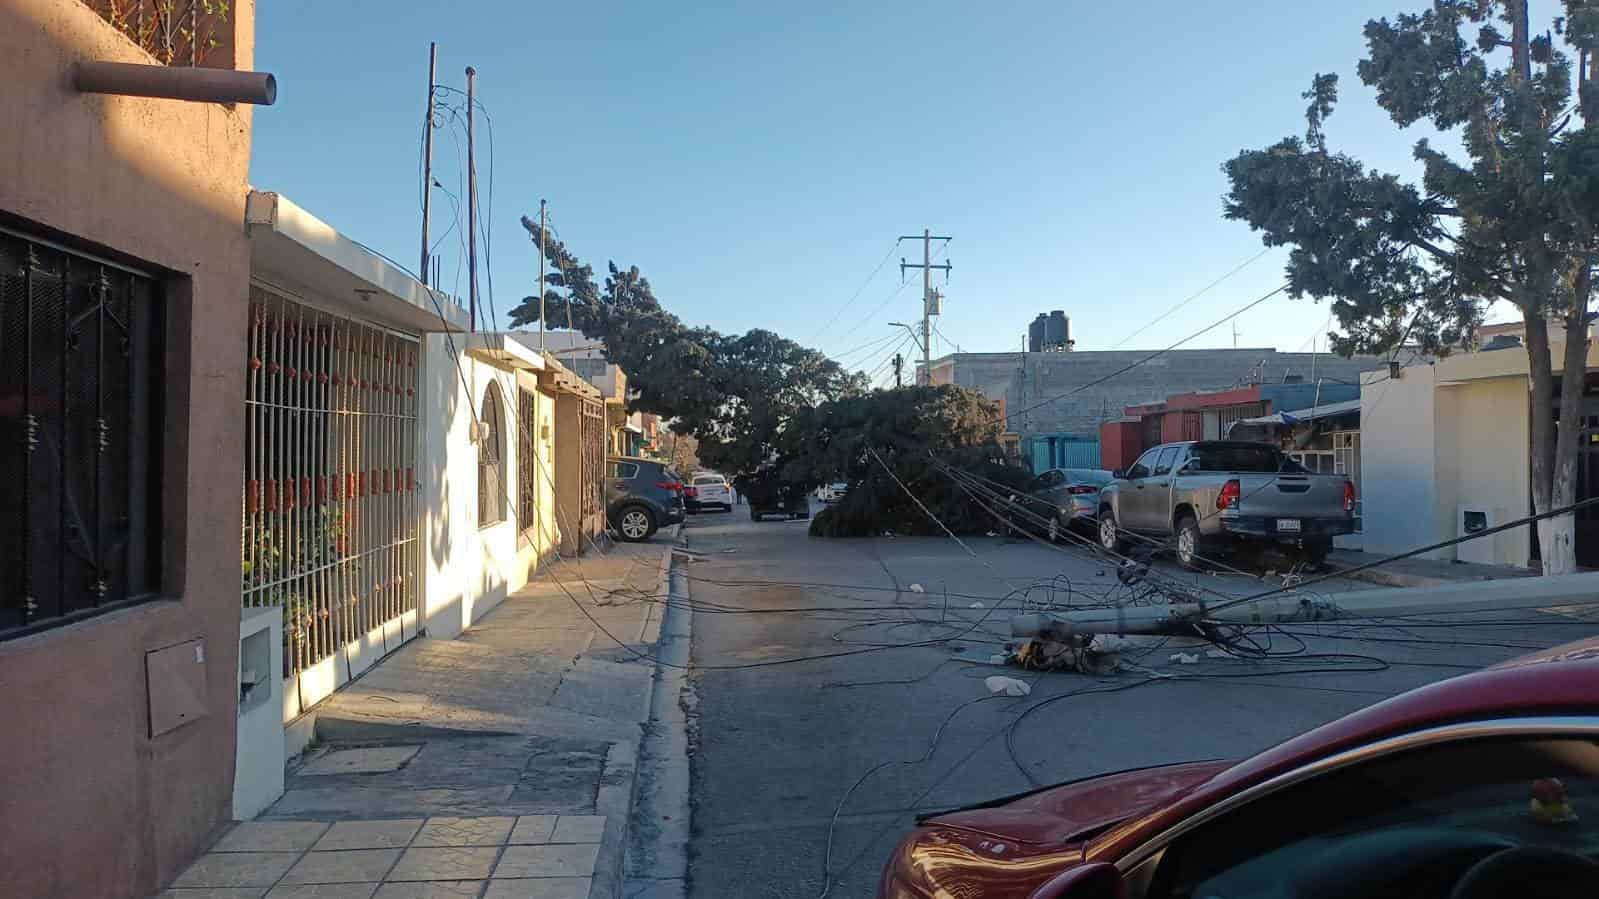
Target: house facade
403, 475
1069, 394
124, 297
1210, 415
1446, 451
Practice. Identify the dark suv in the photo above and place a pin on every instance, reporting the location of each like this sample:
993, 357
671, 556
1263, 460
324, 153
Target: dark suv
641, 495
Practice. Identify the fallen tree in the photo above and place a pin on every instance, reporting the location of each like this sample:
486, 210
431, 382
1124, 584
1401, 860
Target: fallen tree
758, 404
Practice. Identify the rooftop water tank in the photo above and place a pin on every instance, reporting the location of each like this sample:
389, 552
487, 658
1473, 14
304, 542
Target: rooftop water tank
1057, 331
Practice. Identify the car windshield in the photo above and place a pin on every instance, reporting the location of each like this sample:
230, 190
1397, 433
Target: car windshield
1243, 457
708, 479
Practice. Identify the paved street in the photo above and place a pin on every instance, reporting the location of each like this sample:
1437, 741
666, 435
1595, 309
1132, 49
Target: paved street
797, 765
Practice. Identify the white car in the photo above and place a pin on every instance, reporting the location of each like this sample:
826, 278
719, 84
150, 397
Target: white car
708, 490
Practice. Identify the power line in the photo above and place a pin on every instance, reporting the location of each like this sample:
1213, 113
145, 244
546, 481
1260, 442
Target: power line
1151, 357
897, 291
856, 295
868, 345
1202, 291
882, 366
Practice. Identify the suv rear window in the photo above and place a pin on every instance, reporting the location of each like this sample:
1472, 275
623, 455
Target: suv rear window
1242, 457
708, 479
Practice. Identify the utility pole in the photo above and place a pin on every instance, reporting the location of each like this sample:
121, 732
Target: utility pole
471, 201
427, 159
1181, 618
928, 297
542, 226
899, 366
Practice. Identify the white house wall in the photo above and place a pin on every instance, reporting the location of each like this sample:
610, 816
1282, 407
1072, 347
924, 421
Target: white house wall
1484, 437
1398, 460
466, 570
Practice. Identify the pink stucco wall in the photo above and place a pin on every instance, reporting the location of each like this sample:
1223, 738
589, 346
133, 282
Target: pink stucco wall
90, 803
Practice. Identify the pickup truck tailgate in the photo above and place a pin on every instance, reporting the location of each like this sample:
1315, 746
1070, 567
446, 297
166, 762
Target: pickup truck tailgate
1290, 495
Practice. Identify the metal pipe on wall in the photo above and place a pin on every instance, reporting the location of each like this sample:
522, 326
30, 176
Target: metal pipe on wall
193, 83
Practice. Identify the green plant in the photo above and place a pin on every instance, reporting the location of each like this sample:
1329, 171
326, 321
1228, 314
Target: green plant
174, 33
273, 572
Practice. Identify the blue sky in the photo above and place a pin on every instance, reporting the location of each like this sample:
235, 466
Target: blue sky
756, 161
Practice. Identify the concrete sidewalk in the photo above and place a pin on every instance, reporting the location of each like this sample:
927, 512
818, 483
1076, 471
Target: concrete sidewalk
501, 763
1418, 572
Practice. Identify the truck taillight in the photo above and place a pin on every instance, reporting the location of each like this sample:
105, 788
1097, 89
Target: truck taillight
691, 491
1230, 493
1349, 496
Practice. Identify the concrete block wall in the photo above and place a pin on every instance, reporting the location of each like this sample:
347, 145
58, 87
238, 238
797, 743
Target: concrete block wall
1000, 376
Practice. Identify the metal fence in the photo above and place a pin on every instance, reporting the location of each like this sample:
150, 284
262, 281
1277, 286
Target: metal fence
592, 449
330, 502
175, 32
80, 434
527, 491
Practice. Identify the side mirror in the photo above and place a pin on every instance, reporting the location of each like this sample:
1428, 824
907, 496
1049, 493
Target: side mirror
1119, 474
1099, 880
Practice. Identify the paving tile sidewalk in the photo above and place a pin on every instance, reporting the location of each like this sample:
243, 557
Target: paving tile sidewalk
498, 764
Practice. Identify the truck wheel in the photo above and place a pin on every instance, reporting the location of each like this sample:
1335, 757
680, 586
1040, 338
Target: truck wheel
1188, 545
1316, 551
1110, 535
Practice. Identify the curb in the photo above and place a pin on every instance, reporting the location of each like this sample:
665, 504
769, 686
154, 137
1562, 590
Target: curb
1389, 578
614, 800
619, 780
1408, 579
657, 850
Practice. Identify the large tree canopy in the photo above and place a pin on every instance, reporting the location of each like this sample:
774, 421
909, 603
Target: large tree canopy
880, 440
1515, 219
736, 394
758, 403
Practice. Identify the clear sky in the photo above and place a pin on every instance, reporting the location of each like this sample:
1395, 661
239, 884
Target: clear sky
757, 160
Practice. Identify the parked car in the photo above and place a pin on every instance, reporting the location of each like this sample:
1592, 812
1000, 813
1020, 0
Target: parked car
641, 496
1210, 496
708, 490
1483, 786
1066, 498
768, 494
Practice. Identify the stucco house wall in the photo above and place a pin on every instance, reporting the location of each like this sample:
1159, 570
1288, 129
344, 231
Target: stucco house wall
90, 803
467, 570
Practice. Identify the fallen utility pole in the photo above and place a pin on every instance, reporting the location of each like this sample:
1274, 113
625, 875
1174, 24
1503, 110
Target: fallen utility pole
1185, 618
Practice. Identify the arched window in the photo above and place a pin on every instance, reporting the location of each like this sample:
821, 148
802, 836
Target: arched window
491, 493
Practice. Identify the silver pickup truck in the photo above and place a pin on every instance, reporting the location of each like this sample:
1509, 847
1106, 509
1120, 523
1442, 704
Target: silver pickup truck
1207, 497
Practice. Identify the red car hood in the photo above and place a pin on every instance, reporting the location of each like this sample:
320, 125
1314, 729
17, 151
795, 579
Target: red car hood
1011, 846
1071, 810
